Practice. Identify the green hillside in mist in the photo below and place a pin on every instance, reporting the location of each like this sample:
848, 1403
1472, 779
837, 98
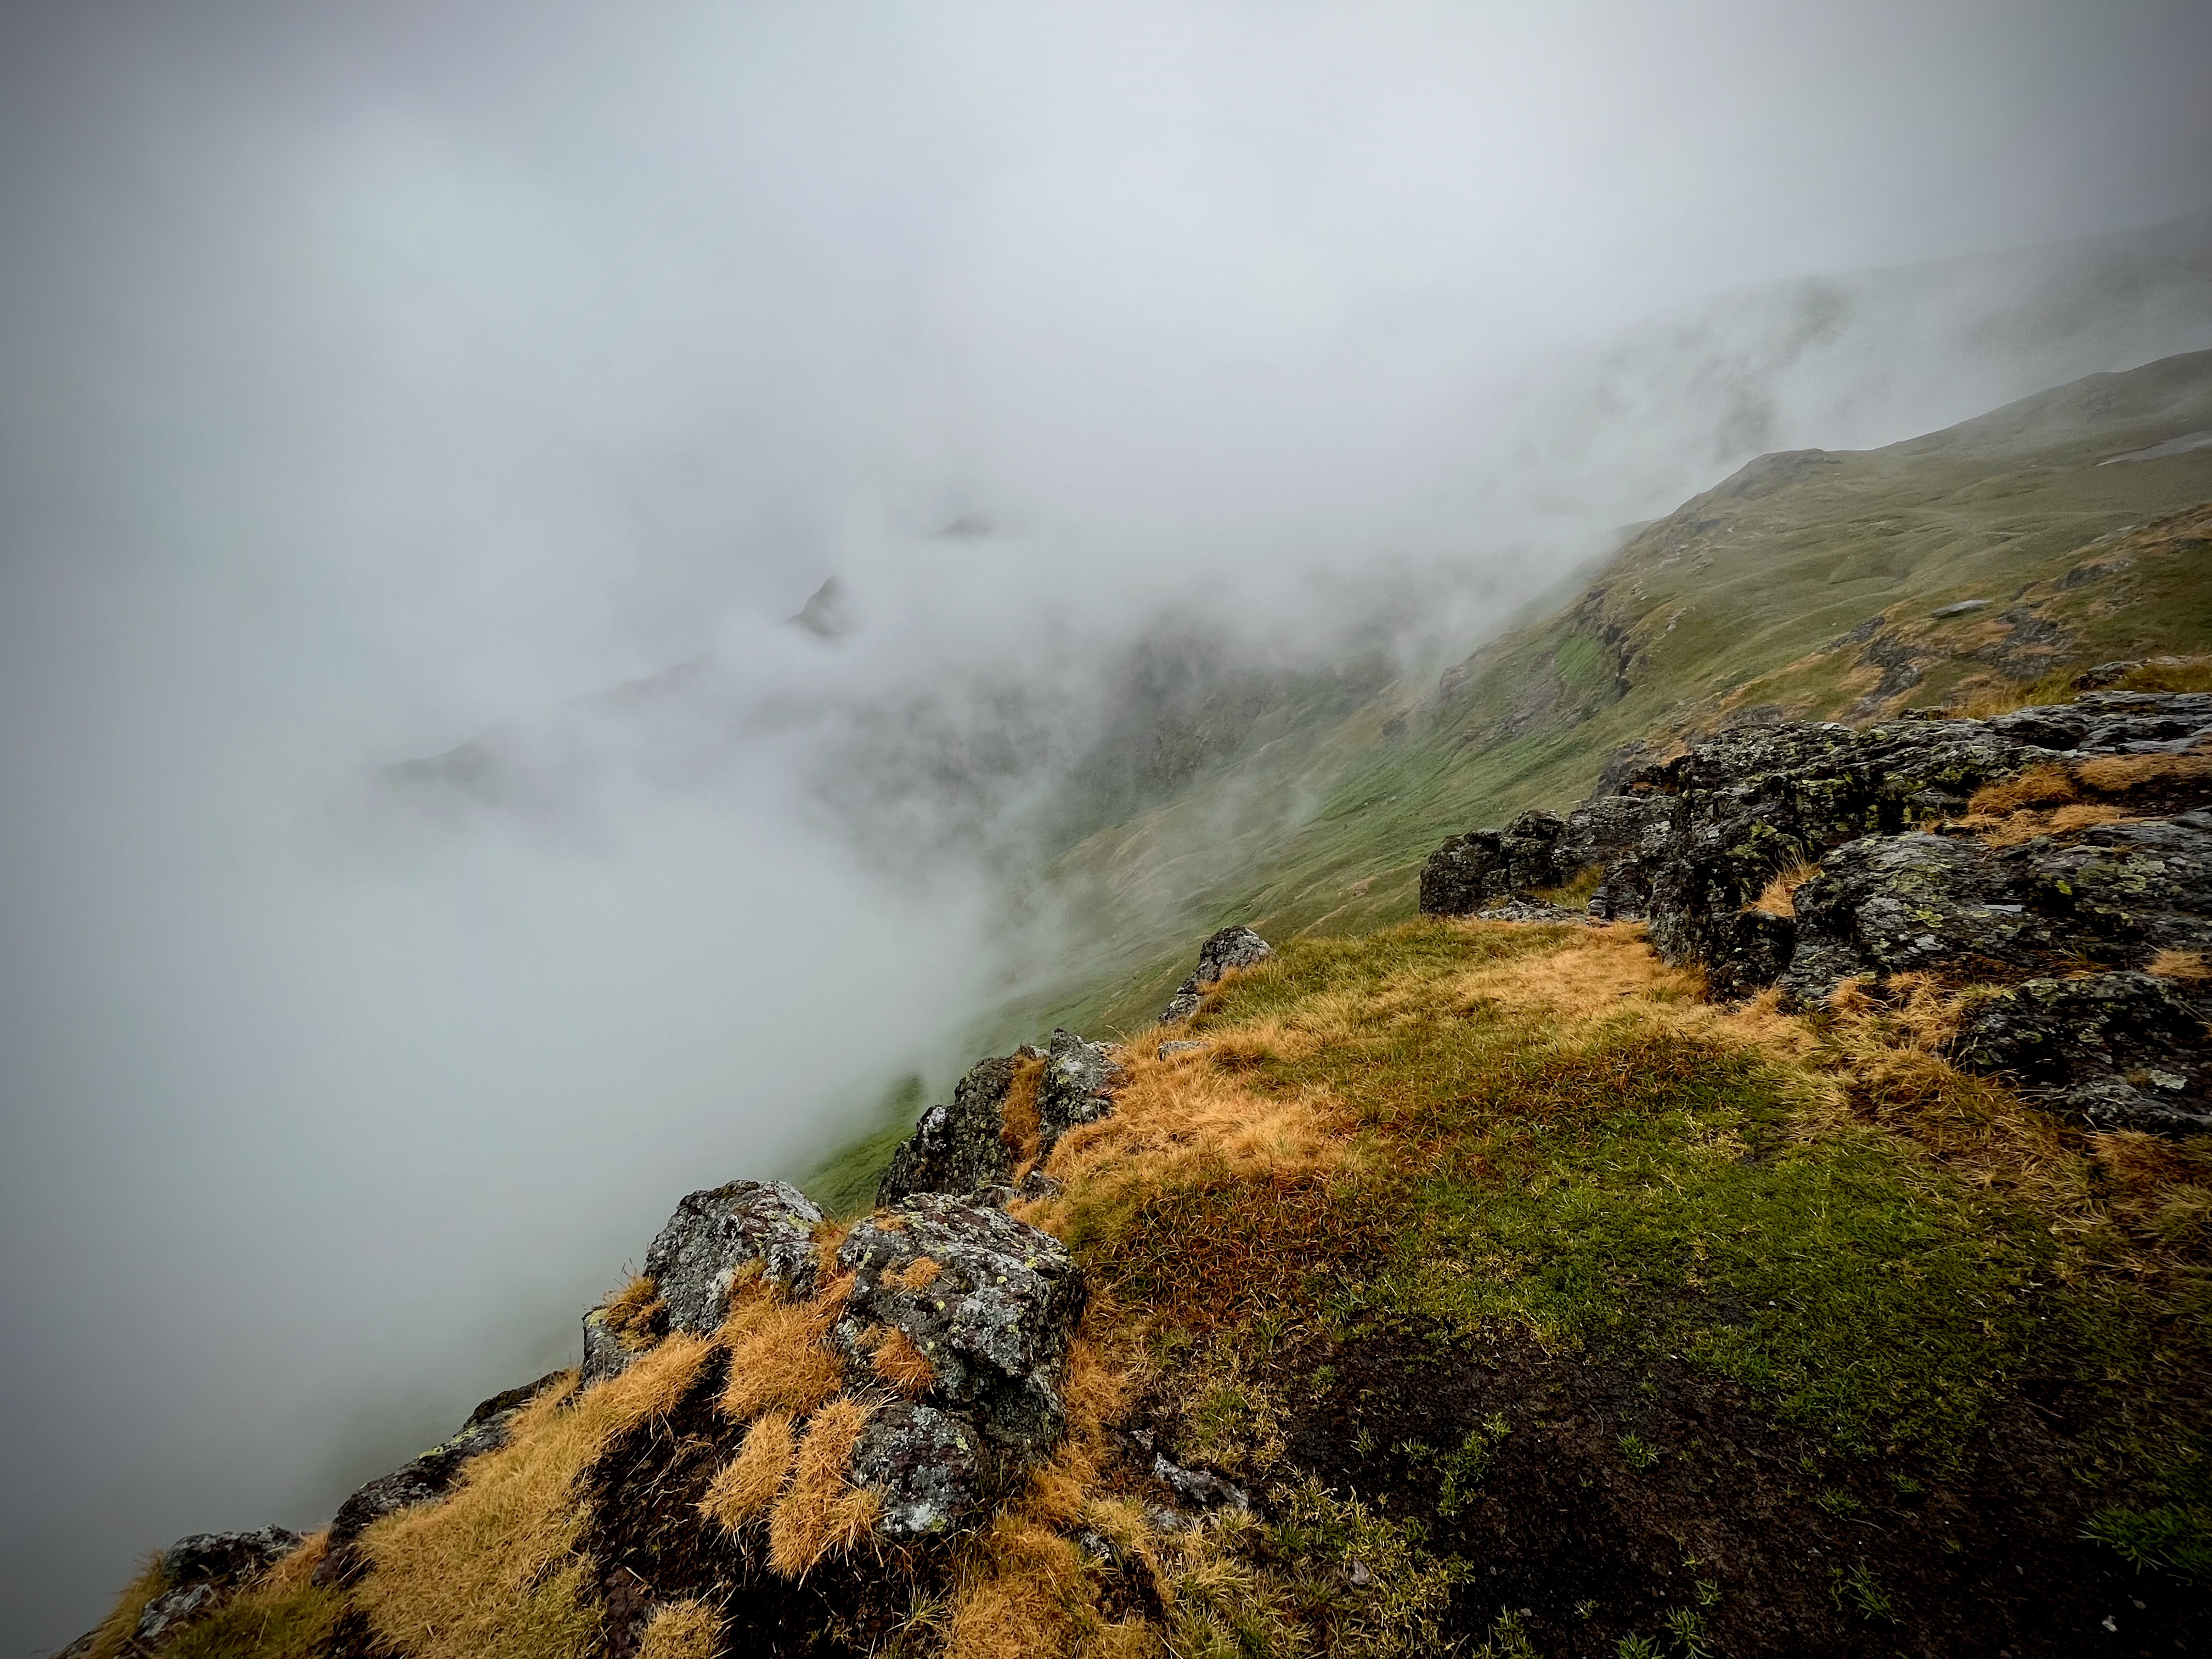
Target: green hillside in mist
1803, 586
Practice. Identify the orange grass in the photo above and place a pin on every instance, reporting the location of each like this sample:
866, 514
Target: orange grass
1779, 897
820, 1511
491, 1571
901, 1363
779, 1354
747, 1484
682, 1630
632, 1312
1019, 1125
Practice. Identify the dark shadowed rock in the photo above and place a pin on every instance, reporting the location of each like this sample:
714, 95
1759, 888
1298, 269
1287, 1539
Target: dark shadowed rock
959, 1148
171, 1611
1200, 1488
1231, 947
226, 1557
2122, 1051
1076, 1087
927, 1468
605, 1352
993, 1312
715, 1233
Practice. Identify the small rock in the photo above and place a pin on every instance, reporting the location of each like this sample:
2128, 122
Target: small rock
172, 1609
1963, 607
1231, 947
713, 1233
1170, 1051
1202, 1487
226, 1557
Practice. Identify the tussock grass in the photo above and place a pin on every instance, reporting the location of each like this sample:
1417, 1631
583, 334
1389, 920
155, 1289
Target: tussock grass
1020, 1126
780, 1356
112, 1638
633, 1313
746, 1486
1779, 897
820, 1511
683, 1630
490, 1572
899, 1360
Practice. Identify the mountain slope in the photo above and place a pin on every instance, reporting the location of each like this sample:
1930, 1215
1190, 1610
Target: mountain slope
1803, 586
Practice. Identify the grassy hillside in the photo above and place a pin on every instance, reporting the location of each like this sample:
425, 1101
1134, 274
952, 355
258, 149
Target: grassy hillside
1804, 585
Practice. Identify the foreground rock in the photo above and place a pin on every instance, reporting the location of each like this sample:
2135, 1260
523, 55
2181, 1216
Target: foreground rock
1232, 947
1902, 886
991, 1302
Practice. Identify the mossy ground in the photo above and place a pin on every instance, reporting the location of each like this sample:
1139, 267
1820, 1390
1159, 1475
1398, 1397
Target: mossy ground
1641, 1311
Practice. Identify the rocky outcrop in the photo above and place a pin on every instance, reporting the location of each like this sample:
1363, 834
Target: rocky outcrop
1902, 885
715, 1234
991, 1302
198, 1574
2122, 1051
1232, 947
960, 1148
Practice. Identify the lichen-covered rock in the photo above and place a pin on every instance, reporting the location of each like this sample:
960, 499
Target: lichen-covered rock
716, 1233
928, 1469
2123, 1051
1076, 1087
962, 1147
992, 1302
1231, 947
430, 1476
171, 1611
606, 1353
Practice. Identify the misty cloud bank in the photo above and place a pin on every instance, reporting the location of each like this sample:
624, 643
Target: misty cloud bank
378, 386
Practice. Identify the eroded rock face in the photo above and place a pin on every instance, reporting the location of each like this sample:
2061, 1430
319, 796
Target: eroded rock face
1078, 1086
991, 1300
962, 1147
201, 1571
715, 1233
1688, 843
1232, 947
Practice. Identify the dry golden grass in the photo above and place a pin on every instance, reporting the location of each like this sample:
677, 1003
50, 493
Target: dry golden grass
2040, 786
683, 1630
632, 1313
1019, 1126
779, 1353
1779, 897
821, 1512
112, 1638
2180, 965
2118, 775
747, 1484
901, 1363
491, 1571
1024, 1596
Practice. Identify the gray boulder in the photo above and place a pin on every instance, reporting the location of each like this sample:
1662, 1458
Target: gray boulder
715, 1233
1231, 947
962, 1147
993, 1314
1076, 1087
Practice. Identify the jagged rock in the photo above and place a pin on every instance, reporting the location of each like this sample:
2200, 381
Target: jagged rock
1625, 836
927, 1468
992, 1312
605, 1353
2123, 1051
226, 1557
961, 1147
1231, 947
715, 1233
1076, 1087
430, 1476
2112, 897
1170, 1051
1200, 1487
172, 1610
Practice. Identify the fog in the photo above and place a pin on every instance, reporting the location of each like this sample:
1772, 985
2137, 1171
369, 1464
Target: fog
375, 379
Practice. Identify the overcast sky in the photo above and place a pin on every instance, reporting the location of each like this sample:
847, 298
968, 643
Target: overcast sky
372, 375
